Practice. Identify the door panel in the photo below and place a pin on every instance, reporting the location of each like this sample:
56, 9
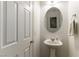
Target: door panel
26, 23
9, 24
28, 3
27, 52
12, 22
16, 29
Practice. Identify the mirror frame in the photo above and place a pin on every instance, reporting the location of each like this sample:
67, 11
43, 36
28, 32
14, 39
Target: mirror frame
56, 16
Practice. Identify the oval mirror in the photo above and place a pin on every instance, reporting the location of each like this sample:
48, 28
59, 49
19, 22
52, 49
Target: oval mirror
53, 19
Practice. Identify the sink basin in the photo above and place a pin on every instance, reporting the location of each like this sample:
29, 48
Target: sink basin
53, 44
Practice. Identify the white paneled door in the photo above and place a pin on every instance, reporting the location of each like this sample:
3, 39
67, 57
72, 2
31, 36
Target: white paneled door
16, 29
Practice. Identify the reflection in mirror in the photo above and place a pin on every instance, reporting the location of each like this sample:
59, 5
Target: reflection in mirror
53, 22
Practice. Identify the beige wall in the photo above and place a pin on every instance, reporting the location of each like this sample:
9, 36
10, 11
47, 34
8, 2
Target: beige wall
61, 33
36, 29
74, 43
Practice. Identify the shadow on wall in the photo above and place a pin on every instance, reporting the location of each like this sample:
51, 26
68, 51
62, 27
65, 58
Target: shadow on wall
64, 48
44, 48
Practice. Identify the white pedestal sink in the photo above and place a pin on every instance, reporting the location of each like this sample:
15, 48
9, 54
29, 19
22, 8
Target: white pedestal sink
53, 44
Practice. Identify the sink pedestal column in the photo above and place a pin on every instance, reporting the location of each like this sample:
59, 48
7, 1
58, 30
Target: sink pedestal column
52, 52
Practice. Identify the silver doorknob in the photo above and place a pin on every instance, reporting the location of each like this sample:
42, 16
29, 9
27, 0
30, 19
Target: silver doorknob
31, 41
